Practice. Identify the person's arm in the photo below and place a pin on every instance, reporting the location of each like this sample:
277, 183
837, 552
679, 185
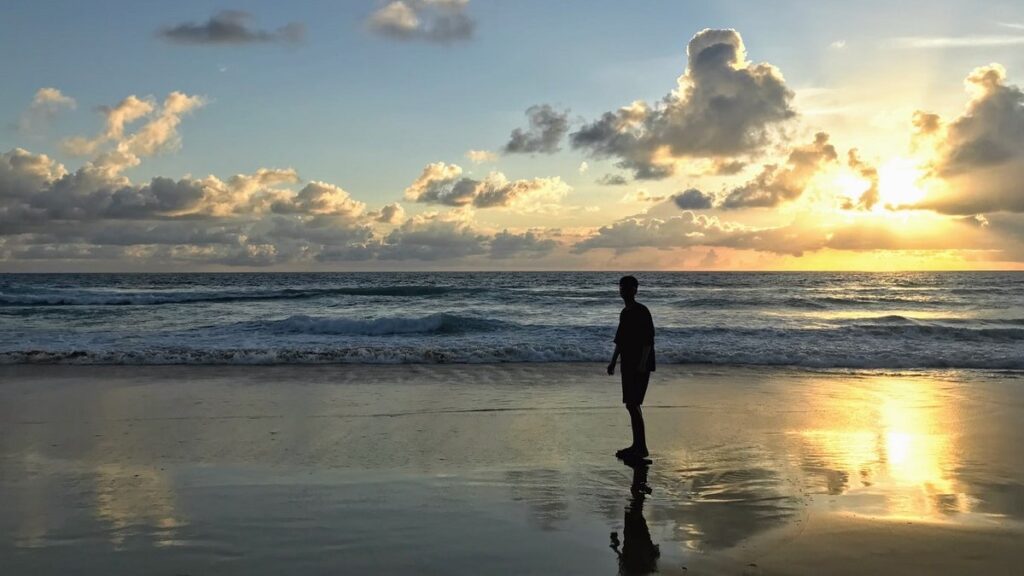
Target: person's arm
615, 358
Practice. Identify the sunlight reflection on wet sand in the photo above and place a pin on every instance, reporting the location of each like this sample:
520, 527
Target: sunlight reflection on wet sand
896, 457
238, 470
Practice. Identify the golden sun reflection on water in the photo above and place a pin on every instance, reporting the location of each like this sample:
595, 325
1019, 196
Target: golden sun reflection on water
889, 450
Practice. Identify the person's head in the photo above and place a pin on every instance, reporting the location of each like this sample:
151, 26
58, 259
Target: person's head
628, 286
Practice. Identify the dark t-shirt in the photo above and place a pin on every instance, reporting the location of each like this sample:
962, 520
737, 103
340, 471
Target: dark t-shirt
636, 330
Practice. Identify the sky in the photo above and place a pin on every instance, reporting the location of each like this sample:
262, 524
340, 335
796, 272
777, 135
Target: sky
527, 135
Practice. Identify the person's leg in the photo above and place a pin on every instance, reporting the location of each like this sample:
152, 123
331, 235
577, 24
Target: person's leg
636, 420
625, 452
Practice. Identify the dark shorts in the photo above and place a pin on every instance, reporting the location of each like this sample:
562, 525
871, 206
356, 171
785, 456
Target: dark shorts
634, 386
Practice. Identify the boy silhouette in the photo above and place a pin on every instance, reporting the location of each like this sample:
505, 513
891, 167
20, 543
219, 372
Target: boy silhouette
634, 341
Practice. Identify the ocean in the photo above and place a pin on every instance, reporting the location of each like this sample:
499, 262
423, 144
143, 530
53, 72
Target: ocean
820, 320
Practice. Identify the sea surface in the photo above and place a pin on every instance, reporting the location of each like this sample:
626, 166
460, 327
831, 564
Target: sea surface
820, 320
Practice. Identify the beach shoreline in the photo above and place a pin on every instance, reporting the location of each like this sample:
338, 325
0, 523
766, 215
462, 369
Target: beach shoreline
472, 468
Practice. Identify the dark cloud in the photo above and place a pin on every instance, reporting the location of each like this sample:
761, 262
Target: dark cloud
230, 27
926, 123
160, 196
981, 153
166, 232
441, 21
432, 237
693, 199
441, 183
726, 167
777, 184
67, 252
507, 244
613, 180
725, 106
547, 127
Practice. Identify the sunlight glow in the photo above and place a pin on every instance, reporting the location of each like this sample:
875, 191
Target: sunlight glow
899, 182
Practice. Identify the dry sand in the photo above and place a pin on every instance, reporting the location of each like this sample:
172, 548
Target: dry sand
506, 469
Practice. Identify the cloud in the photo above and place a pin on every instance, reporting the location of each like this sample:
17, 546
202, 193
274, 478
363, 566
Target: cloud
46, 105
806, 234
440, 21
320, 198
389, 214
724, 106
230, 27
583, 167
432, 236
117, 117
547, 127
693, 199
36, 189
247, 220
726, 167
481, 156
710, 260
506, 244
777, 184
838, 45
265, 218
450, 236
871, 195
441, 183
23, 173
932, 42
158, 134
640, 195
980, 154
687, 229
613, 180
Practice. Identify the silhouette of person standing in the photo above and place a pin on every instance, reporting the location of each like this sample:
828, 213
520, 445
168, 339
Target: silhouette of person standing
634, 342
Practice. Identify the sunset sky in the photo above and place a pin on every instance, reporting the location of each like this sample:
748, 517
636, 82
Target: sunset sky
490, 135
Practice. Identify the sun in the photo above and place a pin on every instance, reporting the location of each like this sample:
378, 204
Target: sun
899, 183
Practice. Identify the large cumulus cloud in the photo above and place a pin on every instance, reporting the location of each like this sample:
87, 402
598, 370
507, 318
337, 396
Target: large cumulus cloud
724, 106
980, 154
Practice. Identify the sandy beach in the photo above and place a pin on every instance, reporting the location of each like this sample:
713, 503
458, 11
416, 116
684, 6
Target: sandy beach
472, 469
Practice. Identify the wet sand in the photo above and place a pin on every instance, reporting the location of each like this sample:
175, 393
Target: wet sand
507, 469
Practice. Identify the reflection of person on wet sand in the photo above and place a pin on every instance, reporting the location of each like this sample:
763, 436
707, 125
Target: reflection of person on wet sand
634, 341
638, 554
